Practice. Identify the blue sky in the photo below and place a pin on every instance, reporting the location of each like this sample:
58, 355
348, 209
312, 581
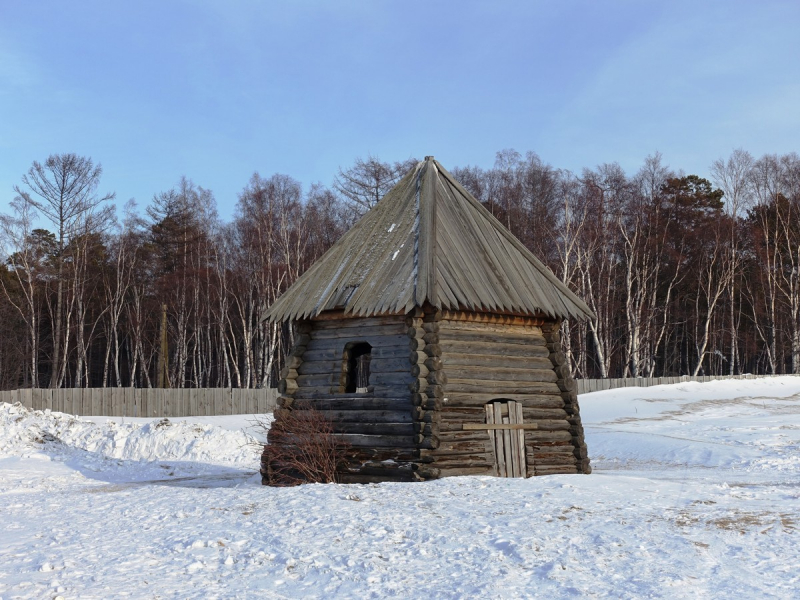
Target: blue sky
214, 91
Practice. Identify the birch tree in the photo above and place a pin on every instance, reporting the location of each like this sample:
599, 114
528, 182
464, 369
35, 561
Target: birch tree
63, 191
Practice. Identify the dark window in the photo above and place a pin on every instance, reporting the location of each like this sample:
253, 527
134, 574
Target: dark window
357, 356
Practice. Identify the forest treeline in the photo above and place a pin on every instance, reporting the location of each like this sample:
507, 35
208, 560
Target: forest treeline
686, 275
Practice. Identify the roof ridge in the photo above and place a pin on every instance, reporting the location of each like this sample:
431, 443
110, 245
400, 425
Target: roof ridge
428, 240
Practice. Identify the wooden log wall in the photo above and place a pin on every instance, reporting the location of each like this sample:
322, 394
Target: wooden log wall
384, 426
430, 373
569, 393
484, 358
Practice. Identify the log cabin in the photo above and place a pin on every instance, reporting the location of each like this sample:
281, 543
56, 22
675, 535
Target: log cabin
429, 337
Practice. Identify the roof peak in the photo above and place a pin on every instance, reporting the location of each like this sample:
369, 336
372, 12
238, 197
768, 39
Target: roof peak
428, 240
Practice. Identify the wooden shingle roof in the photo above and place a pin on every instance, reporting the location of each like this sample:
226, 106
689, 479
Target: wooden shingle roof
428, 240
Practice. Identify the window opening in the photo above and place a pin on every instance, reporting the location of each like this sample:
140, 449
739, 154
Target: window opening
358, 356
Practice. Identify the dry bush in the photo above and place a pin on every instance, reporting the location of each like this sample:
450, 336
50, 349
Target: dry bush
301, 448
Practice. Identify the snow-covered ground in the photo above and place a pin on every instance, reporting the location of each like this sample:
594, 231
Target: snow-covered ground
695, 494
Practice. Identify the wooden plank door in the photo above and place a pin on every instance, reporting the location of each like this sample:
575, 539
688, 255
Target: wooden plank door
508, 444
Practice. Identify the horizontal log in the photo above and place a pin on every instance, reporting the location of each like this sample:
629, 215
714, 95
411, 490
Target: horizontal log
417, 357
303, 326
430, 327
419, 370
542, 459
425, 429
567, 385
292, 362
376, 429
433, 350
465, 471
552, 424
429, 442
427, 472
452, 414
562, 371
355, 403
464, 436
434, 363
534, 414
547, 436
318, 380
419, 413
464, 447
433, 315
509, 338
415, 344
385, 469
498, 387
377, 455
455, 460
377, 441
494, 327
336, 353
375, 379
399, 364
478, 413
316, 367
415, 332
495, 318
456, 399
547, 445
323, 391
555, 470
501, 374
287, 373
430, 403
437, 378
431, 338
287, 386
338, 344
456, 346
298, 350
419, 398
401, 476
418, 385
534, 449
496, 360
435, 391
358, 322
455, 469
358, 333
360, 416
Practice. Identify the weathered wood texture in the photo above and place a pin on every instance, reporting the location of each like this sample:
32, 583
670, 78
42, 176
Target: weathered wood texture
146, 402
431, 374
492, 357
382, 426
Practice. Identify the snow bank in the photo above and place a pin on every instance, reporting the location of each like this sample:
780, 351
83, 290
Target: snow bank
23, 430
743, 425
695, 494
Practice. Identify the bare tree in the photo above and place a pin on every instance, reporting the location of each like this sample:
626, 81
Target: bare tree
63, 190
732, 177
31, 248
367, 181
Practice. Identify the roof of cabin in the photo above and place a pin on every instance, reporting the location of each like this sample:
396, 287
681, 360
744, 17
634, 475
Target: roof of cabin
428, 240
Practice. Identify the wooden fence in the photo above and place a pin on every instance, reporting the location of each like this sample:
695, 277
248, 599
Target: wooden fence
147, 402
191, 402
596, 385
